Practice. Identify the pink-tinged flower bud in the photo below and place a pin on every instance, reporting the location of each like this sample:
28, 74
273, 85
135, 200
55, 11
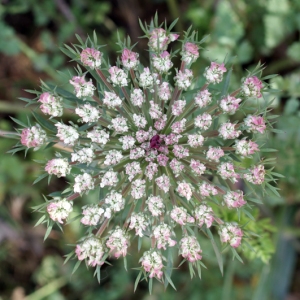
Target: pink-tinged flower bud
231, 233
82, 88
190, 52
91, 58
204, 215
197, 167
59, 209
178, 107
163, 182
67, 134
230, 104
158, 40
183, 79
176, 166
185, 189
203, 122
190, 248
180, 151
109, 178
118, 242
119, 124
138, 188
152, 263
226, 171
181, 216
162, 233
117, 76
214, 73
84, 155
214, 153
92, 215
160, 123
92, 250
34, 136
132, 169
245, 148
256, 175
179, 126
234, 199
137, 97
51, 105
162, 160
251, 87
203, 98
173, 37
130, 60
83, 183
162, 62
255, 124
58, 166
155, 205
139, 222
115, 201
155, 111
111, 100
195, 140
207, 190
146, 79
88, 113
228, 131
151, 170
164, 92
98, 135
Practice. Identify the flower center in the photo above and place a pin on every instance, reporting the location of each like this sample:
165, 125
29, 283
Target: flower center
155, 142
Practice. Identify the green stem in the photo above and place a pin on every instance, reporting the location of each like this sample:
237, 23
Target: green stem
48, 289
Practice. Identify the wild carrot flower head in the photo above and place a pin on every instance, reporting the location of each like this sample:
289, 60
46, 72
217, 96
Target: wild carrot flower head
154, 150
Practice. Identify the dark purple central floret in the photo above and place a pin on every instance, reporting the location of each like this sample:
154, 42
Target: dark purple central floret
155, 142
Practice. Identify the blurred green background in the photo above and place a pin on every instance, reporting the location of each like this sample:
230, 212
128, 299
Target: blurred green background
31, 32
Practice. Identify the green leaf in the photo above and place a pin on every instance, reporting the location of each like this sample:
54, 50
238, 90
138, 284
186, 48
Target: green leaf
235, 254
217, 252
48, 231
139, 244
125, 263
226, 83
277, 175
98, 273
170, 281
173, 24
46, 124
247, 213
273, 189
19, 122
255, 200
268, 150
150, 285
40, 220
269, 76
76, 266
40, 178
68, 257
137, 280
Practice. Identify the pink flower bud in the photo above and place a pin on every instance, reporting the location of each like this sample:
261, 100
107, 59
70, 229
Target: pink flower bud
129, 59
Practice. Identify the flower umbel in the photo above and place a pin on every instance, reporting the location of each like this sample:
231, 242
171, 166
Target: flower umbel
165, 159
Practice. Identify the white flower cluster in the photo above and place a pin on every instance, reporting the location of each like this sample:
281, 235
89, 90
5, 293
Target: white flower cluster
88, 113
83, 155
59, 209
92, 250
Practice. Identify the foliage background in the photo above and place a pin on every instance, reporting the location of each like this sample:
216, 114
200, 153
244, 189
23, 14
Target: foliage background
31, 32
